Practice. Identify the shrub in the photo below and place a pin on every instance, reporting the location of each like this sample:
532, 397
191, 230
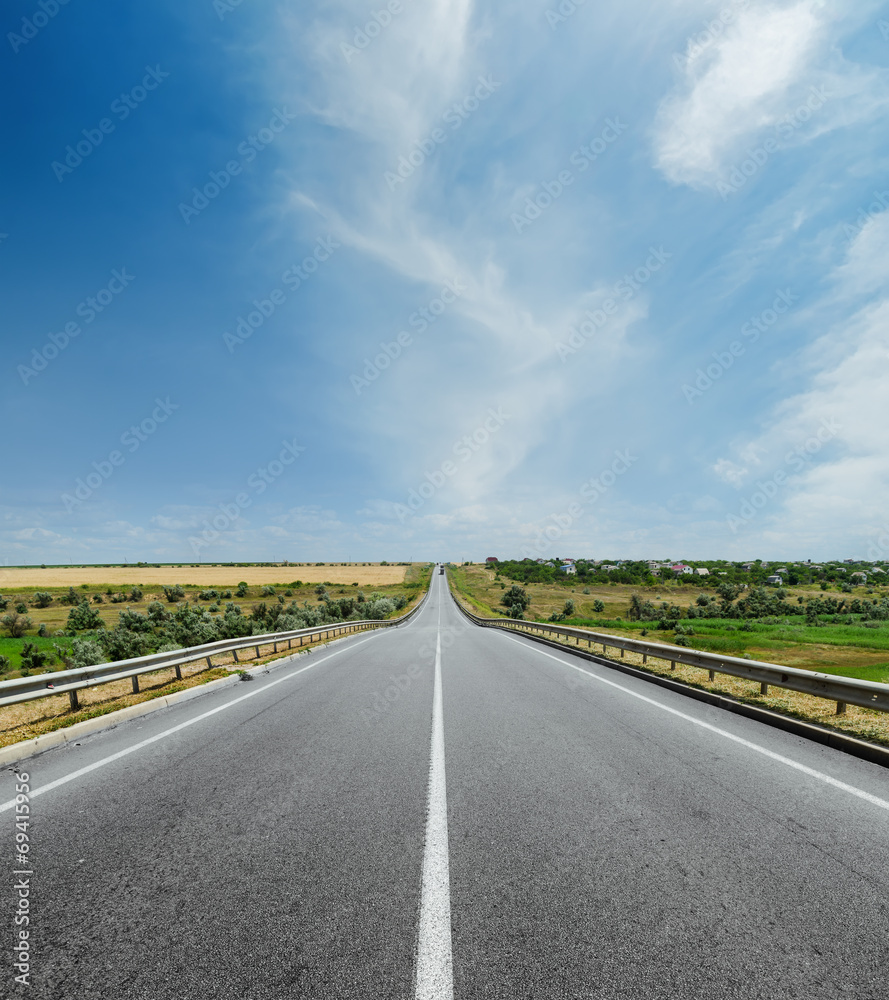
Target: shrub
136, 595
83, 653
83, 617
72, 597
4, 663
121, 644
568, 610
42, 599
173, 594
208, 595
515, 599
16, 624
33, 658
98, 599
598, 607
119, 598
242, 589
4, 603
41, 631
586, 590
21, 608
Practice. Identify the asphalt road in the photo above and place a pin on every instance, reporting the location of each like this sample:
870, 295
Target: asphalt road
601, 837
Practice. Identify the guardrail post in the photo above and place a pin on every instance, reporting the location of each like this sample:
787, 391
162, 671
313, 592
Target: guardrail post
841, 708
763, 688
290, 643
622, 653
672, 664
235, 655
135, 680
257, 651
711, 674
178, 669
72, 697
209, 662
645, 657
276, 645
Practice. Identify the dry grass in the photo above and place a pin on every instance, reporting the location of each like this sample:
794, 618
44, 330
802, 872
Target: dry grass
33, 718
201, 576
862, 723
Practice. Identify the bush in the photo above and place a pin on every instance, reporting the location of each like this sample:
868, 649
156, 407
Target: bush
208, 595
586, 590
173, 594
242, 589
568, 610
41, 630
598, 607
4, 664
136, 595
33, 658
516, 601
72, 597
42, 599
121, 644
83, 617
98, 599
4, 603
83, 653
16, 624
21, 608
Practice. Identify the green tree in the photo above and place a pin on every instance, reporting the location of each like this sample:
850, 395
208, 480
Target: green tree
42, 599
84, 616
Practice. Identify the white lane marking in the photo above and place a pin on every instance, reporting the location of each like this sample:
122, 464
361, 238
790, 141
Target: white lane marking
820, 776
435, 979
182, 725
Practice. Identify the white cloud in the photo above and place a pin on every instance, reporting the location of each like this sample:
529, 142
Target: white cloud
777, 71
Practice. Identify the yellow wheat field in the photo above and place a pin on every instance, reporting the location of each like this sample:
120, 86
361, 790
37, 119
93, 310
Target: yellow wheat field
227, 576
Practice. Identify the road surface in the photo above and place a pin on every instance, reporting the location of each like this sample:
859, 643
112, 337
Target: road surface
443, 810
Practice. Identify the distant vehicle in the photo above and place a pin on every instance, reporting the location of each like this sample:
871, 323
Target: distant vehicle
441, 569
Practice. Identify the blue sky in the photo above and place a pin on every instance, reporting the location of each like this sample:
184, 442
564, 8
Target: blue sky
445, 280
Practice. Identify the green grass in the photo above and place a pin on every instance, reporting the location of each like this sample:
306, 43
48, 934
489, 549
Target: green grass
12, 648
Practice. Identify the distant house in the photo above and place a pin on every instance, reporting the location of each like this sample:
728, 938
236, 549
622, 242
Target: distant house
702, 571
775, 579
682, 568
877, 569
747, 567
569, 568
568, 562
492, 559
782, 570
609, 568
859, 577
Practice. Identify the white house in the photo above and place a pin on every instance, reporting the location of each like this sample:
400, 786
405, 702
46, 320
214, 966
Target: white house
569, 568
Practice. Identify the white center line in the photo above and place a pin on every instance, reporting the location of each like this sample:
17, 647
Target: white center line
435, 980
818, 775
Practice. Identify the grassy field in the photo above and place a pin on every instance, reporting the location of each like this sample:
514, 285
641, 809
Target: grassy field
849, 650
363, 574
54, 618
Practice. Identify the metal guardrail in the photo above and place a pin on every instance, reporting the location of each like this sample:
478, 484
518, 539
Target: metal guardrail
842, 690
71, 681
